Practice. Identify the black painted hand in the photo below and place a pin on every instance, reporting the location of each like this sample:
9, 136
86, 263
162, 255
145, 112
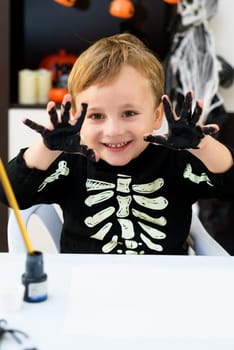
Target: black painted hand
64, 136
183, 132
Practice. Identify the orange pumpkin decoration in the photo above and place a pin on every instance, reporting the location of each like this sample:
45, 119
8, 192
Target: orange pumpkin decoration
172, 2
57, 94
60, 58
54, 62
122, 8
68, 3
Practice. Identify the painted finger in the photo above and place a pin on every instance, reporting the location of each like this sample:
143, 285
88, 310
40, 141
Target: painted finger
81, 118
210, 129
54, 117
186, 109
65, 116
160, 139
37, 127
196, 113
168, 110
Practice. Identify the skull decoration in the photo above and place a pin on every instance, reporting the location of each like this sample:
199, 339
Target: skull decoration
194, 12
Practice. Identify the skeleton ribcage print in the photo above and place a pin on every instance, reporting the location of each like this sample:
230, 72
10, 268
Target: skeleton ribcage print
128, 195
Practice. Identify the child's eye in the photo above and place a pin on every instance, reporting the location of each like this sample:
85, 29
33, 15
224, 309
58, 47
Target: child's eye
129, 113
96, 116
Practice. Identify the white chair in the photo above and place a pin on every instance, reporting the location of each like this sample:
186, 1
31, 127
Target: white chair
49, 218
202, 242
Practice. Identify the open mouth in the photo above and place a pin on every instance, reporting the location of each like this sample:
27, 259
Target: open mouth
117, 146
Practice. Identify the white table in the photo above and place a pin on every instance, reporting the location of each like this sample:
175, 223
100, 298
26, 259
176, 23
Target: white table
128, 302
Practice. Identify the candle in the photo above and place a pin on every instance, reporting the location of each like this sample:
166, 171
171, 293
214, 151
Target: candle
27, 86
44, 84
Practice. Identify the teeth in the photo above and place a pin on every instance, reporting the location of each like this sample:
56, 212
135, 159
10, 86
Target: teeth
116, 145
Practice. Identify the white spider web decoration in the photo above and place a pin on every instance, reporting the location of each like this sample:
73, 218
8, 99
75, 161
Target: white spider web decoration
193, 65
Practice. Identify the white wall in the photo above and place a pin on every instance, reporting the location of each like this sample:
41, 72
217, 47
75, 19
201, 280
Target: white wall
19, 135
222, 27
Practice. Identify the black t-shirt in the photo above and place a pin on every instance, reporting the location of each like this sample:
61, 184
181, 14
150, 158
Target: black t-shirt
141, 208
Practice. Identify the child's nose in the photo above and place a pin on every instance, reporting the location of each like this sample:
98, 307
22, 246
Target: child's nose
113, 127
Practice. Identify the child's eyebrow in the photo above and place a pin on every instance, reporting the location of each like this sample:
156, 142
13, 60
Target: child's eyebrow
131, 106
95, 109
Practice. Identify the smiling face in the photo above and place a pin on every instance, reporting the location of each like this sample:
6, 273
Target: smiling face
119, 113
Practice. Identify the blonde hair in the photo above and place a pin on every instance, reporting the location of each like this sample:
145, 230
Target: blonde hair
103, 60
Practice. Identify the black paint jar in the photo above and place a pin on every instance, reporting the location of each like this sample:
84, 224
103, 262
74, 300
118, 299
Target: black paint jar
34, 279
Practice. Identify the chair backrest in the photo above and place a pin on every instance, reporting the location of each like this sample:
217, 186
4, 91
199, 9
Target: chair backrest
203, 243
48, 216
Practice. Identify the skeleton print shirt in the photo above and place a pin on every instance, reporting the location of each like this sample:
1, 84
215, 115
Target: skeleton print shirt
141, 208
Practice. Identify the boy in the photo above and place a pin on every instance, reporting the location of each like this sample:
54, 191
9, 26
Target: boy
120, 193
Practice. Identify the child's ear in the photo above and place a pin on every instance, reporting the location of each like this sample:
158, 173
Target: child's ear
158, 116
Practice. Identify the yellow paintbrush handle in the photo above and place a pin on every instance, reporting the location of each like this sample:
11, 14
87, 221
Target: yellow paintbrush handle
14, 205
